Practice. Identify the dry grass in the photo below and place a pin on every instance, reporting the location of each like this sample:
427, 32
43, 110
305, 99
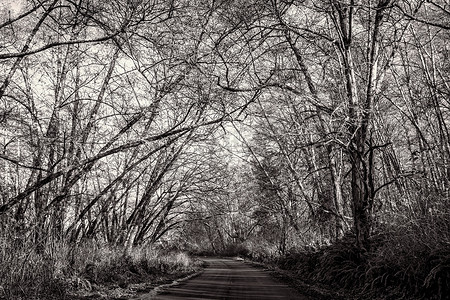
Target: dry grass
27, 274
87, 269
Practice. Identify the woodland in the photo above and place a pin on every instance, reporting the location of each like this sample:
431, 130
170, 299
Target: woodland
311, 135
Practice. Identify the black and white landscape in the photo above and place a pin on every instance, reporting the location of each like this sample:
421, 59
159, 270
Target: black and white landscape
224, 149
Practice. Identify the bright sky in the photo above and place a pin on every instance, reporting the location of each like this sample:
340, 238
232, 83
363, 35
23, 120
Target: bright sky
13, 5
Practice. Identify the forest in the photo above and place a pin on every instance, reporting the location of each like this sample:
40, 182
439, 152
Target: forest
311, 135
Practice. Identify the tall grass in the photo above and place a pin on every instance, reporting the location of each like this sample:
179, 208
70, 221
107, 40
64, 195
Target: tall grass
27, 274
64, 269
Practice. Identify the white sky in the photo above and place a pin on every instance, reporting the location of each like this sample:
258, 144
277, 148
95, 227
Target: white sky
13, 5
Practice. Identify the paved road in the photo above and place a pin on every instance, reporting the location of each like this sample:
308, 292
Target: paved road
230, 279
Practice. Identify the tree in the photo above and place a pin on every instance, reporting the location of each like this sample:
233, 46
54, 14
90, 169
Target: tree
131, 94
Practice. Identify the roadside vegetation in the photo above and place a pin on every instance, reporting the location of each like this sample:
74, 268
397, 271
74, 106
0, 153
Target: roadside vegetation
410, 261
88, 270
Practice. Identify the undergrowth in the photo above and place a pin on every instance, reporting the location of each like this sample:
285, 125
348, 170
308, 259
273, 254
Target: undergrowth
62, 270
411, 261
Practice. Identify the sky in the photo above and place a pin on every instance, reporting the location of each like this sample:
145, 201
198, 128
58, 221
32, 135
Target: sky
13, 5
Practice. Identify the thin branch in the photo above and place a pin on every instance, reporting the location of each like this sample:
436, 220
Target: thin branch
56, 44
18, 163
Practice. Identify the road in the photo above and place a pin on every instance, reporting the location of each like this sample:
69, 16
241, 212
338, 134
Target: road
230, 279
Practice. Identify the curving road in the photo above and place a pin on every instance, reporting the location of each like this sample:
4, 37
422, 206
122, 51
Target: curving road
230, 279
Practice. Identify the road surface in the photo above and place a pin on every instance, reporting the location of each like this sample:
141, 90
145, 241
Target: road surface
230, 279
